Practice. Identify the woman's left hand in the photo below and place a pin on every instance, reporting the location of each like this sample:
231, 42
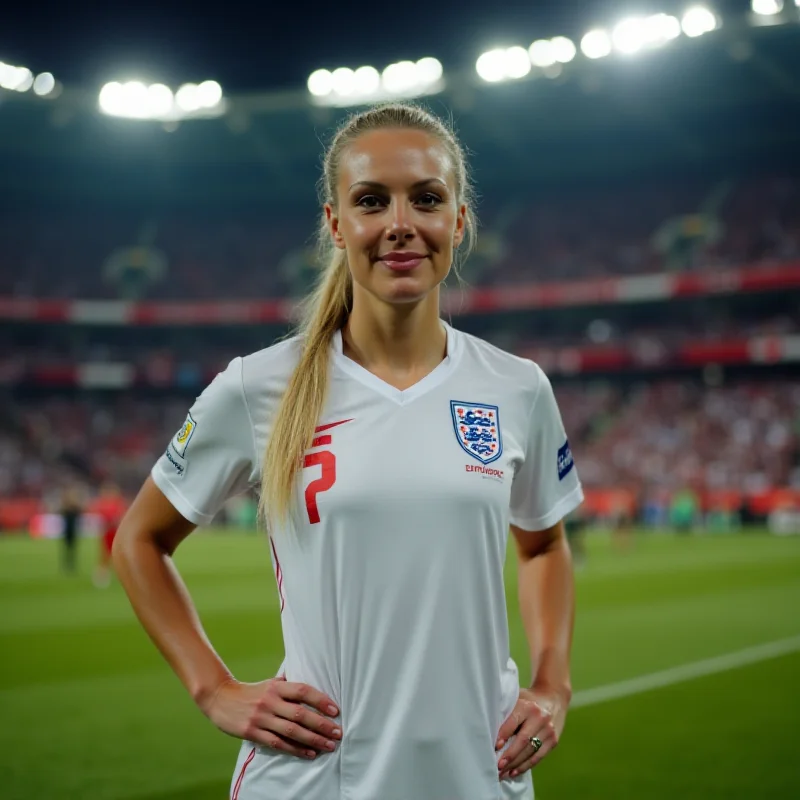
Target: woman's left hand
538, 715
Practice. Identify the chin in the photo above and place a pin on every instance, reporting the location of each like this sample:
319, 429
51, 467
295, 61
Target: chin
412, 292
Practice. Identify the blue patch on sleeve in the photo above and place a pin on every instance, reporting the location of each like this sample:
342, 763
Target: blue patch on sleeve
565, 461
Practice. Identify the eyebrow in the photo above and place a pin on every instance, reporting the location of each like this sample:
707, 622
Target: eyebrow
378, 185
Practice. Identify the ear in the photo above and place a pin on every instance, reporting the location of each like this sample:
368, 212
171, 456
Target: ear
333, 226
461, 226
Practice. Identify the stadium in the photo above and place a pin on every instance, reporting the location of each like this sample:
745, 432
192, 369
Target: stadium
638, 178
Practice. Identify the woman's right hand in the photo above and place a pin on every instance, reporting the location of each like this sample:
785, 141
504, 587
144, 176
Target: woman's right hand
276, 713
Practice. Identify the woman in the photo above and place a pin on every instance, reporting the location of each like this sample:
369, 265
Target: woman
396, 452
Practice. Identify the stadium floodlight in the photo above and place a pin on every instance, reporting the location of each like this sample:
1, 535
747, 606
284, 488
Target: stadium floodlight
44, 84
767, 8
429, 70
596, 44
661, 28
563, 49
399, 78
518, 64
542, 53
503, 63
491, 65
344, 81
209, 94
629, 35
697, 21
320, 82
15, 79
367, 80
159, 100
186, 98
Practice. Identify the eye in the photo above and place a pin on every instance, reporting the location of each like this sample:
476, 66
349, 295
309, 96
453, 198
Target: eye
429, 200
369, 201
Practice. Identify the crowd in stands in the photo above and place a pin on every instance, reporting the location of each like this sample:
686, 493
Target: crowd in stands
232, 255
664, 434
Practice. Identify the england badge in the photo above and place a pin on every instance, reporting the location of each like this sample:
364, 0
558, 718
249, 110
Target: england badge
477, 428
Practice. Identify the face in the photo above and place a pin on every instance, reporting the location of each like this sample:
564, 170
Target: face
397, 214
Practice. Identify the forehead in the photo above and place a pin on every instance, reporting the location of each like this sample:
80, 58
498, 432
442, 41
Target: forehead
395, 156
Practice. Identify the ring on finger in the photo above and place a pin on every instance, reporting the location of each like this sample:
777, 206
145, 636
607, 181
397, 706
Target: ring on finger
536, 744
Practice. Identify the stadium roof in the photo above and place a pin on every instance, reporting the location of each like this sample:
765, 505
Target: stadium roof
720, 101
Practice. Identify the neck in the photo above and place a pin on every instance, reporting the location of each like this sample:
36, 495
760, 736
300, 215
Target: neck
401, 338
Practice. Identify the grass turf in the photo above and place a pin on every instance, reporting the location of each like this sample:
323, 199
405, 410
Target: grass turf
90, 712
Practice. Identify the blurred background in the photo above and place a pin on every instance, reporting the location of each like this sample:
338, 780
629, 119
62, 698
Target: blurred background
638, 167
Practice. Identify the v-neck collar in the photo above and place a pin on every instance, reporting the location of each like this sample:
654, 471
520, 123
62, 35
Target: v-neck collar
435, 377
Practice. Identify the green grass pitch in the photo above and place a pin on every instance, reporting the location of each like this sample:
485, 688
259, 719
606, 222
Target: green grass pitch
90, 712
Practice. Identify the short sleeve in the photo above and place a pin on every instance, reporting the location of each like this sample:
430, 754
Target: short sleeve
546, 486
212, 457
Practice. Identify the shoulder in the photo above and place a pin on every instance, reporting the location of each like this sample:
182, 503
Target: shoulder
506, 368
270, 368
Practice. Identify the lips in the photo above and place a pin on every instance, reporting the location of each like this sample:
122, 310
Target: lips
402, 260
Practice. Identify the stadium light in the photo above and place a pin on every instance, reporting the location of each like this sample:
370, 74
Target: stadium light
542, 53
209, 94
697, 21
596, 44
635, 33
186, 98
320, 82
15, 79
399, 77
502, 64
367, 80
767, 8
135, 100
344, 81
44, 84
344, 86
564, 49
429, 70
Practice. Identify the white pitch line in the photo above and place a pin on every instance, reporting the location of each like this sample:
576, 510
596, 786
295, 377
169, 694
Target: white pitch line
685, 672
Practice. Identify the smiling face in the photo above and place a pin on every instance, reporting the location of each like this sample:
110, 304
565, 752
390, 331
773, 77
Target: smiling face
397, 213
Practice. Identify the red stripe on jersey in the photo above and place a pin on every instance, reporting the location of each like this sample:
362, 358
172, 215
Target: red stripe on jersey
278, 574
235, 795
319, 441
321, 428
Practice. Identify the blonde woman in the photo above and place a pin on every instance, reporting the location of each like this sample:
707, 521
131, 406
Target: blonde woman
392, 453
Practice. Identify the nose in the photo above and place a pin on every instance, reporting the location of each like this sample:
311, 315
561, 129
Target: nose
400, 228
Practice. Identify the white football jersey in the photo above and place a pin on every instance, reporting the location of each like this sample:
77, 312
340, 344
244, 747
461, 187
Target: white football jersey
391, 574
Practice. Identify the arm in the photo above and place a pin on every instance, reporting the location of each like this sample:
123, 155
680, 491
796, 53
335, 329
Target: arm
147, 538
274, 712
547, 604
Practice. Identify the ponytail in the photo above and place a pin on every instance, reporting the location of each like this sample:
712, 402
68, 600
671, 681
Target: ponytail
298, 414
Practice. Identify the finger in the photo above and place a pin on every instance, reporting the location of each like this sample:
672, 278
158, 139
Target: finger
275, 742
508, 728
296, 734
307, 718
529, 759
521, 748
303, 693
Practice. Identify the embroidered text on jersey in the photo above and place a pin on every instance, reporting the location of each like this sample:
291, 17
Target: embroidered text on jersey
477, 428
182, 438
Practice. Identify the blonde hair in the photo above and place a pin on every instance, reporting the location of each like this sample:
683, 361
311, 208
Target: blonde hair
327, 307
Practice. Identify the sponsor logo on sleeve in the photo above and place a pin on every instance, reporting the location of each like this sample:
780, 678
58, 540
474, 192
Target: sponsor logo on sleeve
179, 468
565, 461
182, 438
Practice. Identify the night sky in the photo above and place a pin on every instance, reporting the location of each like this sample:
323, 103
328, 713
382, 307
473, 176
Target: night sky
255, 46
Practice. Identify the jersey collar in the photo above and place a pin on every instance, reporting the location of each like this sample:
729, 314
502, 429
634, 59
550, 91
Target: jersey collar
433, 379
